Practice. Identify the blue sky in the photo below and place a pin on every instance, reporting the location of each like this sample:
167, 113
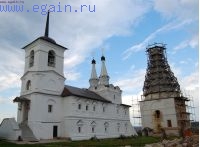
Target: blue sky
123, 28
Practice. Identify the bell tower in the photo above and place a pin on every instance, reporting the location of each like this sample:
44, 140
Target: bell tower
44, 60
42, 84
163, 105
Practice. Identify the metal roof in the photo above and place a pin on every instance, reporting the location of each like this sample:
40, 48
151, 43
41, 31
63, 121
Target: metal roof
20, 99
84, 93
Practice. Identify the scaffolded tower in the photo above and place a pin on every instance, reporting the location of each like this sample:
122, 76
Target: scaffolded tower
163, 105
159, 77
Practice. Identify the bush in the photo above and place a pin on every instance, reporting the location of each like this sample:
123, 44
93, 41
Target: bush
94, 138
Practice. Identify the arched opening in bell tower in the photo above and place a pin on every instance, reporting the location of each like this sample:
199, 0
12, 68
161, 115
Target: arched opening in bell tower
51, 58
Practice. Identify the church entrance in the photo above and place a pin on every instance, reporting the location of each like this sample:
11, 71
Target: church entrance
25, 106
55, 131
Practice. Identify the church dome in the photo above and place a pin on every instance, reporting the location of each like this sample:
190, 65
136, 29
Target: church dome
103, 58
93, 61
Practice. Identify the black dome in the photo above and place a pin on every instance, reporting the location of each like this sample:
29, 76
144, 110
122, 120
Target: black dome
103, 58
93, 61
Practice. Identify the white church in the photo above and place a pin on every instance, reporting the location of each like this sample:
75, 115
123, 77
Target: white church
48, 109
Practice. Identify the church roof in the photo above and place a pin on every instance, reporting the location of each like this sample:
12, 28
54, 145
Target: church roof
48, 39
85, 93
125, 105
20, 99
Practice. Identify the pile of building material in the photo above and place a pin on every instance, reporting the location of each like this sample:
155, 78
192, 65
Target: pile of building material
186, 142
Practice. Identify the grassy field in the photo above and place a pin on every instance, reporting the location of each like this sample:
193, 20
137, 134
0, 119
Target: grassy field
134, 142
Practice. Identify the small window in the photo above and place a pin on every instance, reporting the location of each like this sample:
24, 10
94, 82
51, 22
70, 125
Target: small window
50, 108
126, 126
31, 59
169, 123
28, 85
79, 106
92, 129
106, 125
114, 97
117, 110
105, 129
87, 107
79, 129
118, 127
94, 108
125, 111
104, 109
51, 58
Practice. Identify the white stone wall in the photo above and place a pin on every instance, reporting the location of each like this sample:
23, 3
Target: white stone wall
39, 108
114, 129
45, 82
165, 106
71, 103
44, 130
111, 116
110, 93
9, 129
41, 49
66, 114
40, 120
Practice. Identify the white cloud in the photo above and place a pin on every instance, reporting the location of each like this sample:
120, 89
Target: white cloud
7, 100
11, 66
180, 13
193, 42
191, 81
178, 9
83, 32
88, 31
142, 45
133, 82
72, 75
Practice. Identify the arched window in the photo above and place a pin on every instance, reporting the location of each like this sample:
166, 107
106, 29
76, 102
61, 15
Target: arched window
93, 129
28, 85
157, 114
118, 127
86, 107
125, 111
94, 108
106, 125
31, 59
79, 129
104, 108
126, 126
51, 58
93, 125
79, 106
118, 109
79, 125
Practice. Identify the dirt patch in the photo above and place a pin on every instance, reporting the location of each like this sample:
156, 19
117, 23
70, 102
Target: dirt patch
192, 141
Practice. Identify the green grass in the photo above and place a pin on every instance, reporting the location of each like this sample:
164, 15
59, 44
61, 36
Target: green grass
135, 142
